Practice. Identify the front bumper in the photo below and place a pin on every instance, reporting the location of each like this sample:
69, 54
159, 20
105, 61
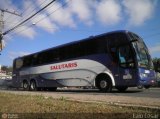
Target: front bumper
146, 77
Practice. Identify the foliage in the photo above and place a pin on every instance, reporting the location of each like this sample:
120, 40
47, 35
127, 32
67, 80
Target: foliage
7, 68
156, 62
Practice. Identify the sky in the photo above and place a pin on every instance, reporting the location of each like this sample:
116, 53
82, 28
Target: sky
65, 21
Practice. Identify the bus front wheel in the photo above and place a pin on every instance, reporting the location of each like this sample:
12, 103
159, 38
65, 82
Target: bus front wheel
25, 85
105, 85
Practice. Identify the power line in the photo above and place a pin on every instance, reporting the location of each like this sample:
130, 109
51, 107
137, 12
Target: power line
24, 12
40, 6
6, 32
42, 18
53, 11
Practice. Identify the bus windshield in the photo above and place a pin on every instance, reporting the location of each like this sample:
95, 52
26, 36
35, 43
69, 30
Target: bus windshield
143, 57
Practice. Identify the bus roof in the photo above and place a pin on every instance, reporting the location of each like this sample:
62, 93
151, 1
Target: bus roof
77, 41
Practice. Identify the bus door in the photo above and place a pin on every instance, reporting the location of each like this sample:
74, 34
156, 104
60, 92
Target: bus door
113, 64
122, 59
126, 68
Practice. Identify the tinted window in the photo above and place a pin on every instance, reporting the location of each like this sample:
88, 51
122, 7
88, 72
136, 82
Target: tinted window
50, 56
94, 46
87, 48
83, 48
79, 49
73, 51
18, 63
46, 57
117, 39
27, 61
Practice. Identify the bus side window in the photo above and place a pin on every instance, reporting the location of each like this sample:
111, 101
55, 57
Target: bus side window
55, 56
41, 59
18, 63
27, 61
34, 62
112, 49
101, 45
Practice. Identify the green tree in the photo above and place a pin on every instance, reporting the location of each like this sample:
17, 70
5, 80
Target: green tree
156, 62
7, 68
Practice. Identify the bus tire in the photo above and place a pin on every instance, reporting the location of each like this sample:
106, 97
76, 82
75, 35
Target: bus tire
52, 89
33, 85
121, 88
104, 84
25, 85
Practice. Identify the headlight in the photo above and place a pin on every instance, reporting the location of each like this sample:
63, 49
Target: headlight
152, 81
142, 75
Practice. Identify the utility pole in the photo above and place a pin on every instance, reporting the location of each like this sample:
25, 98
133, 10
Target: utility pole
2, 25
2, 22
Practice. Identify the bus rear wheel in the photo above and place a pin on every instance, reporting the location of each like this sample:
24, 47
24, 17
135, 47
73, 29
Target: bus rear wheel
104, 85
25, 85
121, 88
33, 85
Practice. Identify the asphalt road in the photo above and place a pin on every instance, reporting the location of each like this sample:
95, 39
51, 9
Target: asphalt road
133, 92
131, 96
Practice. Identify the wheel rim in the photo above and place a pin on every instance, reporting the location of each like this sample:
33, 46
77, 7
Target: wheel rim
32, 85
25, 85
103, 84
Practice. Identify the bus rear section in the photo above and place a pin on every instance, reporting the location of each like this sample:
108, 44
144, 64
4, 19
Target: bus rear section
80, 72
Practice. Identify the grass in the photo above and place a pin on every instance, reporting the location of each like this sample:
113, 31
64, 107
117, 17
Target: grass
12, 103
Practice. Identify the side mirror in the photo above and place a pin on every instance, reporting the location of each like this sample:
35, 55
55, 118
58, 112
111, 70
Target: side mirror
134, 40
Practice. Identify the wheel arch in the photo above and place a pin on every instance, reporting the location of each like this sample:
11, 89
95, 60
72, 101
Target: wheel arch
107, 74
24, 80
33, 79
25, 84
